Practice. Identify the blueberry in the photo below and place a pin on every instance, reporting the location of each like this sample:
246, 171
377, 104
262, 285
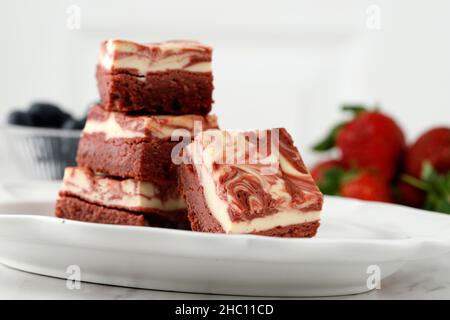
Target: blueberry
20, 118
47, 115
65, 116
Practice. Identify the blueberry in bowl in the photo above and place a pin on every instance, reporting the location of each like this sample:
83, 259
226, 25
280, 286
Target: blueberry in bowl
47, 115
43, 139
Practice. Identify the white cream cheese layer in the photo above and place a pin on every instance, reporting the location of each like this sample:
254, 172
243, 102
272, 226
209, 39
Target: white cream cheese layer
159, 126
127, 193
119, 54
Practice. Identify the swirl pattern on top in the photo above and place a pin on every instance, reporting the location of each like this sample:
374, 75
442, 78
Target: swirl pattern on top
121, 125
123, 193
122, 56
256, 173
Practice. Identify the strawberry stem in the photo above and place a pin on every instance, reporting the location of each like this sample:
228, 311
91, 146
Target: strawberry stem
419, 184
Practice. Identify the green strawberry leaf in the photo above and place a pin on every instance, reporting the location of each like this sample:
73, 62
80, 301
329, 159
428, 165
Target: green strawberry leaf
436, 186
443, 206
332, 180
356, 109
417, 183
438, 198
329, 141
428, 172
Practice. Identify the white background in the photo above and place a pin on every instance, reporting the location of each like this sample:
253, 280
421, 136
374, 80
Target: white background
276, 63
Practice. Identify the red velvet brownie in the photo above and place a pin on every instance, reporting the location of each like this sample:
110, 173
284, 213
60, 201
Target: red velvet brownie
249, 183
87, 196
171, 77
73, 208
136, 146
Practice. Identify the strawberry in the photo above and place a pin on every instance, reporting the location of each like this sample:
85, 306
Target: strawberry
319, 171
333, 178
366, 186
371, 140
434, 185
427, 166
328, 175
433, 146
409, 195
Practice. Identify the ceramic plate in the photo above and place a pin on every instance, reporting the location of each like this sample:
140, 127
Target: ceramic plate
357, 241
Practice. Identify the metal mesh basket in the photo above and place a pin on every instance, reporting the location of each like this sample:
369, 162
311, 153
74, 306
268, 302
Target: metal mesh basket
42, 153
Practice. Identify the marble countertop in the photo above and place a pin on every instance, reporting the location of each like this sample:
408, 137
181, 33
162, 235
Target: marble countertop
416, 280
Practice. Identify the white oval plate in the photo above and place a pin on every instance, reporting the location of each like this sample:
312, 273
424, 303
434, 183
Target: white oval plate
355, 238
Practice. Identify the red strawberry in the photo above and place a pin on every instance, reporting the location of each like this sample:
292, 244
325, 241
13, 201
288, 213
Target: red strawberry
366, 186
409, 195
319, 171
372, 141
434, 147
435, 187
328, 175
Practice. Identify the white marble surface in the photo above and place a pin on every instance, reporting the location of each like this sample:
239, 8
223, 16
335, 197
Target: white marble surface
416, 280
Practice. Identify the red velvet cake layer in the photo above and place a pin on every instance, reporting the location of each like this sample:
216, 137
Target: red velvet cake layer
168, 92
73, 208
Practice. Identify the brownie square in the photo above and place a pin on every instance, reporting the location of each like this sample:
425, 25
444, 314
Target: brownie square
136, 146
249, 182
89, 196
172, 77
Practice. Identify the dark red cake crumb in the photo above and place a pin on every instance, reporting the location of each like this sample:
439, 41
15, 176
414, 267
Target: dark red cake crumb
74, 208
141, 159
168, 92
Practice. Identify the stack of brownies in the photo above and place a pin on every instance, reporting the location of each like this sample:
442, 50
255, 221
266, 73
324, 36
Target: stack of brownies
133, 168
152, 97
